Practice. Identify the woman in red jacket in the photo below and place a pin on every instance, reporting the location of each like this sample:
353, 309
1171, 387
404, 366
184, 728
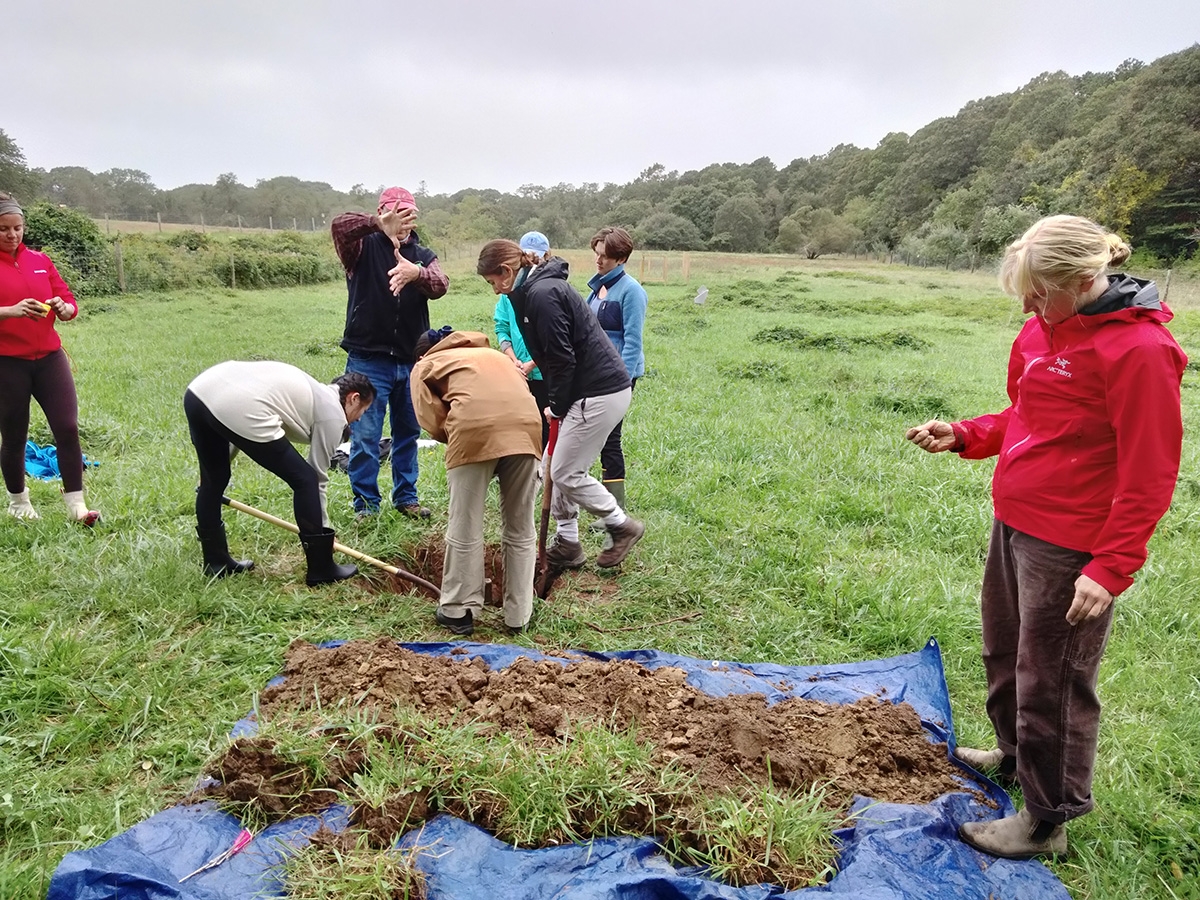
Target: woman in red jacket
1088, 453
33, 365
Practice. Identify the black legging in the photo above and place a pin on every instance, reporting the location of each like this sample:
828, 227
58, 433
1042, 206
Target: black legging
541, 395
612, 457
212, 439
47, 380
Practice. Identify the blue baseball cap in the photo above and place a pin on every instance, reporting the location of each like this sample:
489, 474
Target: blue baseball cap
535, 241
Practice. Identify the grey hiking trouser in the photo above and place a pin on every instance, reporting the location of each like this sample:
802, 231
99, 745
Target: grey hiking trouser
463, 564
581, 435
1042, 672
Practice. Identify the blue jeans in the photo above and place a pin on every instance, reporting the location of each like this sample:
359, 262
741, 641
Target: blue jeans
390, 379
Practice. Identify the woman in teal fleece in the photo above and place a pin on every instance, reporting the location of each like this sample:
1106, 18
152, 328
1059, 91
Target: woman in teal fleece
619, 302
512, 345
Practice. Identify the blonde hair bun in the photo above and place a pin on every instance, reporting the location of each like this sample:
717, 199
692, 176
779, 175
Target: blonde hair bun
1118, 250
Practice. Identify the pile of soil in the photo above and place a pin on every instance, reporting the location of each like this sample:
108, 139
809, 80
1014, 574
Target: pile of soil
871, 748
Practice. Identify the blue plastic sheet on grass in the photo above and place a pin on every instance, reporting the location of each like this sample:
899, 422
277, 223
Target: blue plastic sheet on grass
892, 852
42, 462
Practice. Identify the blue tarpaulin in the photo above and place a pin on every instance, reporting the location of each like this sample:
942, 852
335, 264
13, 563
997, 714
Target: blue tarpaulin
892, 852
42, 462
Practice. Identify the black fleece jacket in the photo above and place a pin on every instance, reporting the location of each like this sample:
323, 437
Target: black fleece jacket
564, 338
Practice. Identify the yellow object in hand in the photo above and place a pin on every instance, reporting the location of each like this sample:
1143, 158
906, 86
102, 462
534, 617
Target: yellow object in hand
46, 307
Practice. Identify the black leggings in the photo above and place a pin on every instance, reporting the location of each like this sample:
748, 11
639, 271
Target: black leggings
541, 395
47, 380
212, 439
612, 456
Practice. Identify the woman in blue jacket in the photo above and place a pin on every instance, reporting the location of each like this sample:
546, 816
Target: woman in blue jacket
619, 302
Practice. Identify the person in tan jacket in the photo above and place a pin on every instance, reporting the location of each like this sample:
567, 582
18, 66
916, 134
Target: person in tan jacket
471, 398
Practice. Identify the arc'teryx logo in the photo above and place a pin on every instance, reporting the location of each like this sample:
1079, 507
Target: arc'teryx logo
1059, 367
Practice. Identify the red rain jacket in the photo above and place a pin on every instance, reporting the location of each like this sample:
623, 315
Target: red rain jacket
1089, 449
31, 274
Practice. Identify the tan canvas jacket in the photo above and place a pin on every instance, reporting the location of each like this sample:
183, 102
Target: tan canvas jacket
473, 399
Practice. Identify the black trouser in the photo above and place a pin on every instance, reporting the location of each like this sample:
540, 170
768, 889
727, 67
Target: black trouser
212, 439
612, 457
47, 380
541, 393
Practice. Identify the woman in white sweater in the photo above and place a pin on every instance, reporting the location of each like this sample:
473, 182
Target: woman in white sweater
260, 408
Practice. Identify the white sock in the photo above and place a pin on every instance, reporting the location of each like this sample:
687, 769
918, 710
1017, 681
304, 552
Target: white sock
613, 519
19, 505
568, 529
75, 504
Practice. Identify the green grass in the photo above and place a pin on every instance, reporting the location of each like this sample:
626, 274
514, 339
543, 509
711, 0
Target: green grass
782, 504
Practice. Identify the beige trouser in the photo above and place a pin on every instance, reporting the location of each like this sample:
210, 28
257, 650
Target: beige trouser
463, 566
582, 433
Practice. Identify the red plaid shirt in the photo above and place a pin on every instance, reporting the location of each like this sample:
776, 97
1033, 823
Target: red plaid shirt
349, 229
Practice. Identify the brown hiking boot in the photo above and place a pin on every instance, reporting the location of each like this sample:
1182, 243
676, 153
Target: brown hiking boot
563, 554
1018, 836
624, 536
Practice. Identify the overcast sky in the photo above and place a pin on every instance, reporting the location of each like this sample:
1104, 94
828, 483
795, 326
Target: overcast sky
472, 94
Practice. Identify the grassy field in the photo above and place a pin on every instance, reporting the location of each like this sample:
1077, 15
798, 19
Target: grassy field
781, 501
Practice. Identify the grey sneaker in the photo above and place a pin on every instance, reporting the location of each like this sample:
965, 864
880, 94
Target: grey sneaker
563, 554
624, 536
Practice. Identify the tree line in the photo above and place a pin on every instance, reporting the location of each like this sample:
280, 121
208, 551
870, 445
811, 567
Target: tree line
1122, 147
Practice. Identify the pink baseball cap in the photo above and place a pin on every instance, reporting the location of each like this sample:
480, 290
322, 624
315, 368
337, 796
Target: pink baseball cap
393, 194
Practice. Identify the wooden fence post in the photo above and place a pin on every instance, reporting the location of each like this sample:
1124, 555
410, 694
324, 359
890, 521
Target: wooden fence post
120, 266
664, 268
687, 268
240, 223
232, 272
158, 216
202, 223
270, 223
642, 268
294, 228
106, 223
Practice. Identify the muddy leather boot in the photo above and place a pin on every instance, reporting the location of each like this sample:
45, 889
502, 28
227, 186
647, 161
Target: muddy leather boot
217, 561
563, 554
624, 536
318, 549
1002, 768
1019, 836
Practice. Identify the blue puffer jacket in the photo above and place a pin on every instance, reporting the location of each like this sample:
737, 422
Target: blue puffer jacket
622, 315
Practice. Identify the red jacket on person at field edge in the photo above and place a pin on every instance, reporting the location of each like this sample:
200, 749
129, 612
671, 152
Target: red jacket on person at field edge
31, 274
1089, 449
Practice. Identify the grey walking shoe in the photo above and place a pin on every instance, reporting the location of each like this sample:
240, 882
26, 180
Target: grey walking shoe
624, 536
1019, 836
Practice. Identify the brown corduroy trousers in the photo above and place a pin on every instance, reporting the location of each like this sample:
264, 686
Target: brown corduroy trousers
1042, 672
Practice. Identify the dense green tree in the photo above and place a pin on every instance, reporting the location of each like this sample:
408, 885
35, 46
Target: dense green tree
816, 232
15, 177
667, 231
739, 225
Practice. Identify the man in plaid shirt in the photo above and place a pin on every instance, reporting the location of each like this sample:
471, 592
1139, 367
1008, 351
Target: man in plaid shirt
390, 277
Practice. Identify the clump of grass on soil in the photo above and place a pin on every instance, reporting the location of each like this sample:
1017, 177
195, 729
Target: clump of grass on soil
543, 753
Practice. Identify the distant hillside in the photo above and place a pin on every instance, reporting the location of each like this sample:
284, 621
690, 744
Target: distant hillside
1122, 147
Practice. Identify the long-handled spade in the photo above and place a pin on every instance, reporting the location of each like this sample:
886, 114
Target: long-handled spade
340, 548
545, 575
